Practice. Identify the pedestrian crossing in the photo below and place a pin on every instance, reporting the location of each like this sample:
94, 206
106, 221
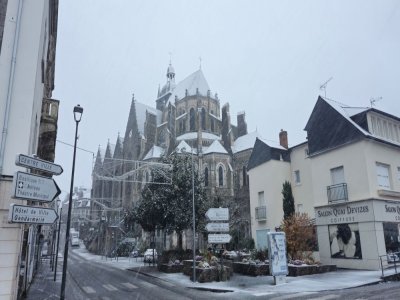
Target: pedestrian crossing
112, 288
308, 295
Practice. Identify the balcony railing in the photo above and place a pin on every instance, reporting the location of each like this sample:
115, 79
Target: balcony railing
261, 213
337, 192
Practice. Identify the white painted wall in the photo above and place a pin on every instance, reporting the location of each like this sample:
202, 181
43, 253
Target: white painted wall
24, 118
268, 178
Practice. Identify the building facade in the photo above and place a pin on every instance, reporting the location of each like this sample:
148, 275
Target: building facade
187, 117
346, 177
28, 118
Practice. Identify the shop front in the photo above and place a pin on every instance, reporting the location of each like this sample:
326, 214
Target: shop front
355, 234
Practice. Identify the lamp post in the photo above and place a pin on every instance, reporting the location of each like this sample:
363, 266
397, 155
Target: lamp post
58, 241
78, 110
194, 224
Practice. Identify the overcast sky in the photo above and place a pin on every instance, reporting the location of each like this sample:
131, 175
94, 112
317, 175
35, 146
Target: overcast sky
267, 58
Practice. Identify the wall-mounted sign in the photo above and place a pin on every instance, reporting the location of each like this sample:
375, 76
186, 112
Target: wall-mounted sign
38, 164
31, 214
34, 187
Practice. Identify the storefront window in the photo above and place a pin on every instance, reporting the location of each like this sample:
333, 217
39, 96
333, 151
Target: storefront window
345, 241
391, 234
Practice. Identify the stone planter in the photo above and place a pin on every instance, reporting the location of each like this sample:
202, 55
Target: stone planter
188, 267
251, 269
166, 268
211, 274
295, 271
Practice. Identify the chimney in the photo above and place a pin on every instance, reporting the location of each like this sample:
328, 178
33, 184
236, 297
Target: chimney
283, 141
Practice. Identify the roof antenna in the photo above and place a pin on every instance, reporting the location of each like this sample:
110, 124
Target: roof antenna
200, 62
373, 100
323, 86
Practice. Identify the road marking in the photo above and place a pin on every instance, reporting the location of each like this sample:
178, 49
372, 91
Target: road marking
148, 284
327, 297
129, 285
292, 296
88, 290
110, 287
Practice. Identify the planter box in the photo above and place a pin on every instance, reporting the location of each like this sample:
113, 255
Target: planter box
251, 269
188, 267
295, 271
210, 274
166, 268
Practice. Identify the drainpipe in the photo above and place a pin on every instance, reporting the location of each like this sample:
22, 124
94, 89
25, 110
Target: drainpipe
10, 87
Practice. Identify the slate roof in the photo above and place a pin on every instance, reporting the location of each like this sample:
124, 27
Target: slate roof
191, 83
262, 153
215, 147
247, 141
154, 152
333, 124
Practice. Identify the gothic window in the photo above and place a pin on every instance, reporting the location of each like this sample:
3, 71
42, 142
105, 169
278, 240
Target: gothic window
206, 176
212, 121
244, 176
203, 119
192, 120
220, 176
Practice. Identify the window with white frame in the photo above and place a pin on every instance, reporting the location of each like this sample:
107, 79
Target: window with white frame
300, 208
337, 175
383, 175
296, 175
261, 199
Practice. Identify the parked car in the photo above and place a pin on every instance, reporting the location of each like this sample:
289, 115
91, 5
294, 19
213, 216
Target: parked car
74, 241
150, 255
134, 253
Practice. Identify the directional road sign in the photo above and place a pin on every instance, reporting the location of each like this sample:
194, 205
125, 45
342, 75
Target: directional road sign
38, 164
34, 187
31, 214
217, 227
218, 214
222, 238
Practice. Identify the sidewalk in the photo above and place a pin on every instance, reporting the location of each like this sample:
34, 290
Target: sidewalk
43, 285
261, 285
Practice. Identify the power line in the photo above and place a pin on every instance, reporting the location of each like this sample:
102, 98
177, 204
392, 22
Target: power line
76, 147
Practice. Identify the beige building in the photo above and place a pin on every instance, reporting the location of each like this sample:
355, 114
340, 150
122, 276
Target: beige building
346, 176
28, 122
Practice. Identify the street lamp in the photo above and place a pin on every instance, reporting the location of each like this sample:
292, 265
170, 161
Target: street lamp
78, 110
58, 237
194, 224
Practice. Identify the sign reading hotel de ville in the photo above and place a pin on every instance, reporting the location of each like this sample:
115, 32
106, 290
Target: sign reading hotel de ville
31, 215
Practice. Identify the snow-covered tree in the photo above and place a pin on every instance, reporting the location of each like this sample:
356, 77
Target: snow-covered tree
169, 206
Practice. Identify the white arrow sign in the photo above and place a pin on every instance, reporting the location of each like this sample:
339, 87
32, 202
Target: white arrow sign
34, 187
222, 238
38, 164
218, 214
31, 214
215, 227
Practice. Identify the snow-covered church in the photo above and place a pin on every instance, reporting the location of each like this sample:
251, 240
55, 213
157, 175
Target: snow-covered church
187, 115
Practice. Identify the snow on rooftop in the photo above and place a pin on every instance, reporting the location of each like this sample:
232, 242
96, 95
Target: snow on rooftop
247, 141
193, 135
344, 111
154, 152
183, 147
141, 110
191, 83
215, 147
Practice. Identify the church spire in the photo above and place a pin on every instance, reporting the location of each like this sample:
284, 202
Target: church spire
171, 73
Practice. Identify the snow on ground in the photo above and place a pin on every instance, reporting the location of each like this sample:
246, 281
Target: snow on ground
260, 285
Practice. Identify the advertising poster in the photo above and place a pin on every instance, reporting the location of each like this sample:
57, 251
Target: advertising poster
277, 253
345, 241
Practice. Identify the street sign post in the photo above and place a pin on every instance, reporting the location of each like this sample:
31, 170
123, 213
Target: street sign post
217, 227
27, 161
34, 187
222, 238
218, 214
31, 215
